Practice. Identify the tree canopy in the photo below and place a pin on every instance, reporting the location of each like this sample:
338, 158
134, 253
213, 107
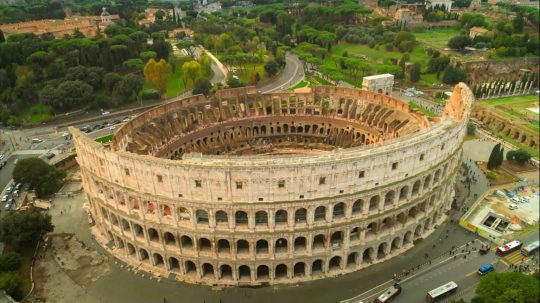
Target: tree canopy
45, 178
512, 287
23, 229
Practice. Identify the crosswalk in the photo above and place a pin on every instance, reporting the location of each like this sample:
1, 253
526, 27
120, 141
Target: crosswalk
514, 258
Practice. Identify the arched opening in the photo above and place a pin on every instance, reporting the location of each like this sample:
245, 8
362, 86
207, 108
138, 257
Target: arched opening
114, 219
158, 260
281, 217
190, 268
357, 207
427, 182
382, 250
316, 267
437, 176
300, 216
371, 229
281, 271
403, 193
261, 247
244, 273
374, 203
281, 245
418, 231
186, 242
138, 230
412, 212
386, 224
183, 215
320, 214
169, 238
334, 264
205, 245
221, 217
416, 188
354, 234
407, 239
318, 242
174, 265
299, 270
352, 260
389, 198
261, 218
336, 239
202, 216
242, 247
241, 218
153, 235
131, 249
300, 244
223, 246
125, 225
396, 244
208, 270
263, 273
401, 218
143, 255
367, 256
225, 272
339, 211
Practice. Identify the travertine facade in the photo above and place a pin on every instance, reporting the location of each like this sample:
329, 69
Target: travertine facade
256, 189
383, 83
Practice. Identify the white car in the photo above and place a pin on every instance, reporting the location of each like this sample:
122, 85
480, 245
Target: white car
105, 113
112, 127
1, 156
5, 198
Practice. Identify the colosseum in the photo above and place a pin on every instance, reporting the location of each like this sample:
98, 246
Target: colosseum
247, 189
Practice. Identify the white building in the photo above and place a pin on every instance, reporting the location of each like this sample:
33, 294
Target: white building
378, 83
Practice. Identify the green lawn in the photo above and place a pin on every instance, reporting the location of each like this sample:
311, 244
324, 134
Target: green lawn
105, 139
175, 86
244, 74
516, 109
424, 111
38, 113
437, 38
514, 142
299, 85
518, 99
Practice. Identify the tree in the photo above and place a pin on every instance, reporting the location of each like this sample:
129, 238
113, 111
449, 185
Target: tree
192, 70
162, 48
49, 95
24, 229
271, 67
110, 80
520, 156
471, 129
452, 75
10, 261
11, 282
45, 178
202, 86
414, 72
459, 42
145, 56
494, 160
128, 86
73, 94
158, 73
512, 287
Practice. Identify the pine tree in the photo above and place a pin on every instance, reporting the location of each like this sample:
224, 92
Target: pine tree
493, 157
500, 157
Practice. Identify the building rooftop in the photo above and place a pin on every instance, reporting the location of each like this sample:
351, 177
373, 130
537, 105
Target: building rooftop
374, 77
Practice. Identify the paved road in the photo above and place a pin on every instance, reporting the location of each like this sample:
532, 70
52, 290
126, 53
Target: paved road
292, 74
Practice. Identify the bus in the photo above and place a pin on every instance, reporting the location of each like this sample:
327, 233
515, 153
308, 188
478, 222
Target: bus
441, 292
530, 248
509, 247
389, 294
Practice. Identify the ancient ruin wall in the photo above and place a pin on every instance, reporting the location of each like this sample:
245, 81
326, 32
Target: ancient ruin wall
257, 220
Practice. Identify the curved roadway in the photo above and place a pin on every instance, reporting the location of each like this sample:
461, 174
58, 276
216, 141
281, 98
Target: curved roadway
291, 74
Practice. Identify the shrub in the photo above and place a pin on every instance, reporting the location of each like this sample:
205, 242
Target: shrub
150, 94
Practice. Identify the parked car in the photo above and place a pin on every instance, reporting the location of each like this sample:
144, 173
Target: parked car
49, 155
105, 113
7, 207
2, 156
4, 198
2, 164
36, 140
16, 193
18, 186
9, 190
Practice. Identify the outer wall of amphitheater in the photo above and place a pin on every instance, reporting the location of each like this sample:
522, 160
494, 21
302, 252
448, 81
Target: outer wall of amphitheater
262, 220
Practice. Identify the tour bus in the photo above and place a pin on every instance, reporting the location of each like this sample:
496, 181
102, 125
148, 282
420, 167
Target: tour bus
509, 247
389, 294
441, 292
531, 248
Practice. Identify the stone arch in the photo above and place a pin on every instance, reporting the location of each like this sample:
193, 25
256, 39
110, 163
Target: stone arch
300, 216
125, 225
174, 264
320, 214
354, 234
222, 217
261, 218
319, 242
374, 203
403, 193
183, 215
225, 272
358, 207
143, 255
382, 251
338, 211
158, 260
169, 238
242, 246
139, 232
281, 245
186, 242
201, 216
263, 272
336, 239
352, 259
223, 246
190, 268
299, 270
389, 198
367, 255
114, 219
131, 249
244, 273
208, 270
205, 245
241, 218
153, 235
407, 239
427, 182
261, 247
396, 244
281, 271
281, 217
300, 244
437, 176
334, 264
416, 188
317, 267
418, 231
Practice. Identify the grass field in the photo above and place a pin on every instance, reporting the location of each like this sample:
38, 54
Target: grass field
175, 86
300, 85
437, 38
516, 109
424, 111
38, 113
105, 139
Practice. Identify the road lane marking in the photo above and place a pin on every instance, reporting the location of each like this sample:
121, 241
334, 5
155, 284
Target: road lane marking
470, 274
505, 264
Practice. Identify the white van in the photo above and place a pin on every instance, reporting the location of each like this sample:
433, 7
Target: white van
512, 206
35, 140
